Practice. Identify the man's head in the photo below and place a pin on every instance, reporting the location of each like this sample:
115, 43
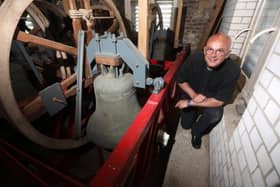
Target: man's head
217, 49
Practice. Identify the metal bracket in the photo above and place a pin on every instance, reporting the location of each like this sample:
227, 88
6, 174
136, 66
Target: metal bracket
157, 83
53, 98
110, 45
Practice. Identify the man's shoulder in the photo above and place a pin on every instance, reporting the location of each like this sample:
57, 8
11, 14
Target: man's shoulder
197, 57
197, 54
232, 67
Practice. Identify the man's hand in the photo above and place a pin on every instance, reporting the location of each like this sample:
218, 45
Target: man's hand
198, 98
184, 103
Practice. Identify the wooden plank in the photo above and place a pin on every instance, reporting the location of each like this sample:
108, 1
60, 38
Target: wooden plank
128, 8
217, 25
214, 16
66, 6
89, 36
143, 34
86, 4
108, 60
24, 37
35, 109
178, 23
76, 22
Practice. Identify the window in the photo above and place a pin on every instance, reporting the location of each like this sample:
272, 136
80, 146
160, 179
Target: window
258, 50
166, 7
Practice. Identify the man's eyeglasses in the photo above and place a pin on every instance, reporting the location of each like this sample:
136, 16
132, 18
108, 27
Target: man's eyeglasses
211, 51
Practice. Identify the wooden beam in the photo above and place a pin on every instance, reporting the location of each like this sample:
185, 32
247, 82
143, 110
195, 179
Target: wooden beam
66, 6
180, 5
29, 38
76, 22
143, 33
86, 4
212, 20
127, 8
35, 109
108, 60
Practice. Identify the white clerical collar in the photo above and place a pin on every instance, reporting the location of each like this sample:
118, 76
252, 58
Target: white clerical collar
209, 69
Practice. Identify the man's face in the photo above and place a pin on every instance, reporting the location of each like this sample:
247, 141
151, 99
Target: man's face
216, 51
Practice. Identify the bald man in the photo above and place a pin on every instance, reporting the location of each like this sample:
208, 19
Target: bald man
207, 80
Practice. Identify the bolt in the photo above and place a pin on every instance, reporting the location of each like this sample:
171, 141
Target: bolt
55, 99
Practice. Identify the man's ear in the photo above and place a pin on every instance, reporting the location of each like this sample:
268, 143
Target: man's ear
204, 49
228, 54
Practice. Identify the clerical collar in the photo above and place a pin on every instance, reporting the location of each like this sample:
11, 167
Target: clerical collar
209, 69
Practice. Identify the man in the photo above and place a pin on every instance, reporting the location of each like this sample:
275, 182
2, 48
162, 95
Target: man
207, 80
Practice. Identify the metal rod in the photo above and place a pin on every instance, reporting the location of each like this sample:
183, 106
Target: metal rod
80, 65
30, 63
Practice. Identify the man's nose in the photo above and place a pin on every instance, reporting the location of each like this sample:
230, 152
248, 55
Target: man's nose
214, 54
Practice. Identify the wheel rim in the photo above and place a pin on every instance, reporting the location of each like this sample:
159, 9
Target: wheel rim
10, 13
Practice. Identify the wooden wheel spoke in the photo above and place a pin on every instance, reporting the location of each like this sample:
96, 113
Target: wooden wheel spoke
19, 116
35, 109
29, 38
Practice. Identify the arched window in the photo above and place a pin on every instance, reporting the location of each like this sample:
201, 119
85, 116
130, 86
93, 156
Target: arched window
257, 50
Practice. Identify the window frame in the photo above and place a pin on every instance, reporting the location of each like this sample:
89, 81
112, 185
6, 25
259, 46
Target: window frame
134, 18
251, 81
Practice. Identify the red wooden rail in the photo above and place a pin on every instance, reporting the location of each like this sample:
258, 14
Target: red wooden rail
130, 160
44, 175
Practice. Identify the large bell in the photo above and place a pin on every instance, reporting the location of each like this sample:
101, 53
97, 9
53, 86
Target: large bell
116, 107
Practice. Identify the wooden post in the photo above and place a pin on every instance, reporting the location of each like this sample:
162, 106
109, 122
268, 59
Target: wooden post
127, 8
178, 23
86, 4
213, 18
143, 34
89, 36
75, 22
66, 6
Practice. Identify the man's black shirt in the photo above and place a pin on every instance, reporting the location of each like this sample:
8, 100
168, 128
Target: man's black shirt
218, 82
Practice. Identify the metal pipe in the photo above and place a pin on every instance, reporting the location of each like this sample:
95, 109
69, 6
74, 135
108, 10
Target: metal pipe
241, 32
272, 29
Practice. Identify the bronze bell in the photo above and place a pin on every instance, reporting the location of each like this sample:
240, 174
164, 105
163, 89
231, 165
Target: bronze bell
116, 107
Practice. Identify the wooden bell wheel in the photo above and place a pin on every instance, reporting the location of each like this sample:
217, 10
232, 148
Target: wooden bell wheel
37, 36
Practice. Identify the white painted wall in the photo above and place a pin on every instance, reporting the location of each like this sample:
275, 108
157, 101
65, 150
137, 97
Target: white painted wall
251, 156
237, 15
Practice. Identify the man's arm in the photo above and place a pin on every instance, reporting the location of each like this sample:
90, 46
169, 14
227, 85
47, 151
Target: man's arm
187, 89
196, 97
207, 102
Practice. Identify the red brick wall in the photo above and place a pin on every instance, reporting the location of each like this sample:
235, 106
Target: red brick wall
197, 17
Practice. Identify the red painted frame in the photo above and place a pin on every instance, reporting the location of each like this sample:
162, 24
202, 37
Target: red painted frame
130, 161
136, 150
45, 175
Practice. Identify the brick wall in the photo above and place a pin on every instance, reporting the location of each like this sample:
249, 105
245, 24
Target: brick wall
197, 17
237, 15
251, 156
